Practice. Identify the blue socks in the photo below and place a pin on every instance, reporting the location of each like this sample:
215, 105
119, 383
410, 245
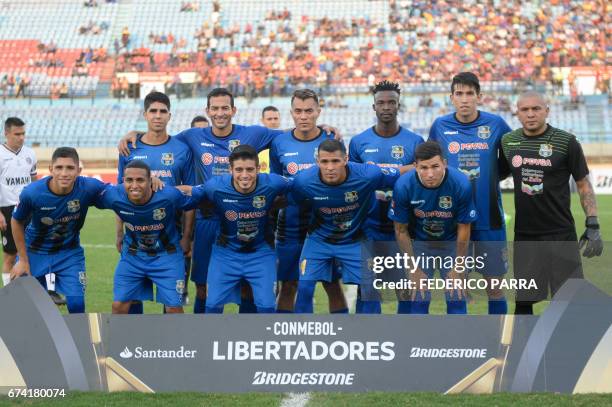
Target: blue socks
419, 307
76, 304
136, 308
247, 306
340, 311
368, 307
283, 311
265, 310
404, 307
305, 295
199, 306
499, 306
456, 307
214, 310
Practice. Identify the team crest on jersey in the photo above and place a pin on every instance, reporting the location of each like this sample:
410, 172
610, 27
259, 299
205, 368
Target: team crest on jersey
259, 201
74, 205
159, 213
233, 144
484, 132
546, 150
180, 287
167, 158
351, 196
397, 152
445, 202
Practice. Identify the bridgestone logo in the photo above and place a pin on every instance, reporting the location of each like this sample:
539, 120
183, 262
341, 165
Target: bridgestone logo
302, 379
452, 353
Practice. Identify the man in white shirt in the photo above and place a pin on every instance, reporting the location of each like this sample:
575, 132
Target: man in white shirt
17, 169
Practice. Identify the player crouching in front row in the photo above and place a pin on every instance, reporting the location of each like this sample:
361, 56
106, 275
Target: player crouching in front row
433, 205
243, 247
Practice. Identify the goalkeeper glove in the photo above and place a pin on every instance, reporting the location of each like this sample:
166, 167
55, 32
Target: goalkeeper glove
591, 238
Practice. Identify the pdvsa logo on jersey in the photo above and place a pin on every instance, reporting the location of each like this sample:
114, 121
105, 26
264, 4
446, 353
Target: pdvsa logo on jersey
231, 215
351, 196
232, 144
546, 150
159, 213
259, 201
74, 205
167, 158
484, 132
517, 161
445, 202
397, 152
292, 168
454, 147
207, 158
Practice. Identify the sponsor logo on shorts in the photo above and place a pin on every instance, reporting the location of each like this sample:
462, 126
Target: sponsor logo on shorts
180, 287
83, 278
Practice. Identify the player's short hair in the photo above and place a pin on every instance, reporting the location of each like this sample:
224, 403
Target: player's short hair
198, 119
244, 152
139, 164
219, 92
156, 97
386, 85
268, 109
467, 79
304, 94
331, 146
65, 152
13, 122
427, 151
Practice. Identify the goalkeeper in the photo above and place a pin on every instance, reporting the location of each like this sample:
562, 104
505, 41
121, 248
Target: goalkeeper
541, 159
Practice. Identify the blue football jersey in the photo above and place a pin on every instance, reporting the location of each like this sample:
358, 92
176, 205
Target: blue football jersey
339, 211
150, 229
475, 148
211, 153
288, 156
386, 152
433, 213
55, 220
245, 221
171, 162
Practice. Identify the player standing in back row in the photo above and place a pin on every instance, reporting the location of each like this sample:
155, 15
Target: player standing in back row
472, 141
388, 145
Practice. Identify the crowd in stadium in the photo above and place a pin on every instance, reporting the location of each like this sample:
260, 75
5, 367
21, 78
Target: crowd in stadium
419, 42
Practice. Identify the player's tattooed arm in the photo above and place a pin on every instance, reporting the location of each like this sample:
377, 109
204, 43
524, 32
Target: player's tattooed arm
587, 196
130, 137
22, 267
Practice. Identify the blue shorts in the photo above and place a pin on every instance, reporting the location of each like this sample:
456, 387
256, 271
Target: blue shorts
134, 278
204, 238
229, 268
68, 266
318, 259
288, 269
491, 245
